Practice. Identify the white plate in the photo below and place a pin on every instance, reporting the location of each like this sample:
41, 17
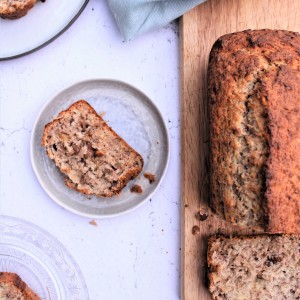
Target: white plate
42, 24
40, 260
133, 116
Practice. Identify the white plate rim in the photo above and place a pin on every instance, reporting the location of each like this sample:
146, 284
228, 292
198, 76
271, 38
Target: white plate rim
50, 40
91, 215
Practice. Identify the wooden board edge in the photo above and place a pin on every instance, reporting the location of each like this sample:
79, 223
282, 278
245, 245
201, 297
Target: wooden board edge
182, 196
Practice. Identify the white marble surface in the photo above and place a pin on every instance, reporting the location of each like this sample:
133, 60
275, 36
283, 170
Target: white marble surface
135, 256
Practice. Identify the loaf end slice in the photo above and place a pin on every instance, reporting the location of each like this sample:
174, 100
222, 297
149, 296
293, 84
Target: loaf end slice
254, 267
15, 9
93, 157
12, 287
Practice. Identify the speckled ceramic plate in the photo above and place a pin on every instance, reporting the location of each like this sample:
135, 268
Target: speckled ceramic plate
42, 24
40, 260
133, 116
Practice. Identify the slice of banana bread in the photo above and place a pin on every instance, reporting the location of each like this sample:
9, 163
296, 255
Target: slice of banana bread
92, 156
254, 267
13, 288
14, 9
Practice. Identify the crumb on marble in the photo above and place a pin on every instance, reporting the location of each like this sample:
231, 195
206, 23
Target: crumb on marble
93, 222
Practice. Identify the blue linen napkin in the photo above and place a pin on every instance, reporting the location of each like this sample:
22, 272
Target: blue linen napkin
135, 17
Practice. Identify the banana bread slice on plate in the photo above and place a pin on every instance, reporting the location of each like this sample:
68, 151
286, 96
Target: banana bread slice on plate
14, 9
254, 267
92, 156
12, 287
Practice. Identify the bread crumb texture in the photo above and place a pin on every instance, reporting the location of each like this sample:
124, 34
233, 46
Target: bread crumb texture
254, 104
13, 288
264, 267
93, 157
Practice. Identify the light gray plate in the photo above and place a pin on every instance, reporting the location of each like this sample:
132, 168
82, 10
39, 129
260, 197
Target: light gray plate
133, 116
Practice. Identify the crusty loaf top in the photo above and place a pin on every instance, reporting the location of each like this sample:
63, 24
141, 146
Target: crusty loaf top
254, 93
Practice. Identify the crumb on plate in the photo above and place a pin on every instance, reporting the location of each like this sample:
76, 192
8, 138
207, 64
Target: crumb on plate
136, 189
150, 177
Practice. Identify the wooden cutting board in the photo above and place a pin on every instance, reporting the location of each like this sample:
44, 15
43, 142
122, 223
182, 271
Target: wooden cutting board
198, 30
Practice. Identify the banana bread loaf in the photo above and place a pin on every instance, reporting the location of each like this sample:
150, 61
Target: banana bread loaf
254, 267
93, 157
254, 104
13, 288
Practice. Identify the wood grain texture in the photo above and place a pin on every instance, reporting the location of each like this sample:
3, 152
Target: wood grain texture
198, 31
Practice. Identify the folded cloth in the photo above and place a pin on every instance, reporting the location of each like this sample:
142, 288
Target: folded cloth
135, 17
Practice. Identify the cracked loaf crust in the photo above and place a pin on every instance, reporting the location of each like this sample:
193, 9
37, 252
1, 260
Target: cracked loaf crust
254, 104
93, 157
13, 288
14, 9
254, 267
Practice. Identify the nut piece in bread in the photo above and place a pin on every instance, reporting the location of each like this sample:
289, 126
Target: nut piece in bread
13, 288
93, 157
264, 267
254, 104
